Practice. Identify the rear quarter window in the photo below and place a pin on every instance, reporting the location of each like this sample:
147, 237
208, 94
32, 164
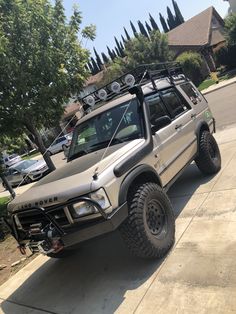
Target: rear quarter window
192, 93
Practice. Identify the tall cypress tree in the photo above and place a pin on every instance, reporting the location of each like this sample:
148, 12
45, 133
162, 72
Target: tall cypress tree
98, 59
153, 23
95, 66
163, 23
148, 27
104, 57
134, 29
121, 54
111, 54
127, 34
142, 29
118, 52
124, 40
114, 53
178, 14
171, 19
90, 67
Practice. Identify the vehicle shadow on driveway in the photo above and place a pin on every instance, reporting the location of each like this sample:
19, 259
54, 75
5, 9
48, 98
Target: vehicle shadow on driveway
102, 275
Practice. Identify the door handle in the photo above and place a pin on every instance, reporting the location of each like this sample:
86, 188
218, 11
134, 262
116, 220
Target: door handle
178, 126
193, 115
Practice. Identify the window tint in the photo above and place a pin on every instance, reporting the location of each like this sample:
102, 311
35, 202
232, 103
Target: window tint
191, 92
156, 107
173, 102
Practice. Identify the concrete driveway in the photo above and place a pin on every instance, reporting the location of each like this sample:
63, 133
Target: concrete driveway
198, 276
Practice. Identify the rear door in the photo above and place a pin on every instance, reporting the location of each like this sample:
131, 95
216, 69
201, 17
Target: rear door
175, 143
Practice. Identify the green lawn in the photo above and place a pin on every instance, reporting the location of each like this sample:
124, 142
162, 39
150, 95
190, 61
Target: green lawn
31, 156
205, 84
3, 205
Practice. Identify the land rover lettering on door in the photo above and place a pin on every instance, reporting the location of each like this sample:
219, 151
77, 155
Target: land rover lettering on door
137, 136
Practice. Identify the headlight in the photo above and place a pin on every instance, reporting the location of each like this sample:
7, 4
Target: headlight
101, 198
85, 208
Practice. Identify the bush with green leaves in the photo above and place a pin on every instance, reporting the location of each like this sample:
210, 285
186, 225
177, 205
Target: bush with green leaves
192, 65
227, 56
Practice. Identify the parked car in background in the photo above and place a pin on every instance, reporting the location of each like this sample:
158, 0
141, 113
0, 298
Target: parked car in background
60, 144
26, 171
11, 160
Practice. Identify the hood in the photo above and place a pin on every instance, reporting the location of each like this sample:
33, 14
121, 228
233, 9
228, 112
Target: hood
37, 166
73, 179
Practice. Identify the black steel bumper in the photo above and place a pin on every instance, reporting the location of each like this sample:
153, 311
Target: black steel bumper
111, 223
107, 223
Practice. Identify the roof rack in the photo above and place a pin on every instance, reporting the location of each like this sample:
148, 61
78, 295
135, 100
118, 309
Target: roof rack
141, 75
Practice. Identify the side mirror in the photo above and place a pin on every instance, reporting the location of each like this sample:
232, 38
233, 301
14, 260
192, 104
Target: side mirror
161, 123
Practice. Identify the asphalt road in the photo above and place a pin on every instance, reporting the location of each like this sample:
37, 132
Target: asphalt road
223, 105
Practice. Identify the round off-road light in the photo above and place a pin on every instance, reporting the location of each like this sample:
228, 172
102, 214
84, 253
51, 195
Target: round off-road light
102, 94
90, 101
129, 80
115, 87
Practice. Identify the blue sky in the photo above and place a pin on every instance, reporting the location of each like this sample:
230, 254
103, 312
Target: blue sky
110, 16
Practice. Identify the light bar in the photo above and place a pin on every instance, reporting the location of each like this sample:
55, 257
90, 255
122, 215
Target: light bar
141, 75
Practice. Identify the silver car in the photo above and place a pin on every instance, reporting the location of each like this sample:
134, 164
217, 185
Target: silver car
26, 171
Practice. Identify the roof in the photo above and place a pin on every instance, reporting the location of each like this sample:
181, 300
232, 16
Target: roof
94, 79
71, 109
147, 88
196, 31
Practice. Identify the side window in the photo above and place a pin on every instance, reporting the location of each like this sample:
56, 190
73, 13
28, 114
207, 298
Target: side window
191, 92
156, 107
173, 102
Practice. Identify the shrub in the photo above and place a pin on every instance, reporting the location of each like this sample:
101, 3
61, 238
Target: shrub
226, 56
192, 64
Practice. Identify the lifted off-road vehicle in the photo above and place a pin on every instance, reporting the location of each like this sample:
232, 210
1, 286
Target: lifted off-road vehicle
138, 135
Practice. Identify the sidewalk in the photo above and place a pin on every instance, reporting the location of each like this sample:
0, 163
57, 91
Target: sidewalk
220, 85
198, 276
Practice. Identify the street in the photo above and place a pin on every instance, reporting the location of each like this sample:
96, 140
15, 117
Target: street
198, 276
223, 106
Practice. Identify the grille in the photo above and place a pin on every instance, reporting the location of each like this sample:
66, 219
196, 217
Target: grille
30, 217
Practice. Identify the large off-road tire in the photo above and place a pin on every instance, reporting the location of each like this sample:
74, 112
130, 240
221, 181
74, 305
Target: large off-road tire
209, 158
149, 230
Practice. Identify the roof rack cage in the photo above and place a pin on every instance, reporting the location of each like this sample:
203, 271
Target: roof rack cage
141, 75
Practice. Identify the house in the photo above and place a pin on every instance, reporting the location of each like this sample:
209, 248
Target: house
232, 4
202, 33
73, 112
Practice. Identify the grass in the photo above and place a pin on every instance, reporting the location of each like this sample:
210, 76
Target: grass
205, 84
32, 155
3, 205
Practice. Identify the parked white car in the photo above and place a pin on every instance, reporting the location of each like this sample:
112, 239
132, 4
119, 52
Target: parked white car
60, 144
11, 160
26, 171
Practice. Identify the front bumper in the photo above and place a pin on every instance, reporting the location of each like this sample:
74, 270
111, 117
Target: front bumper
45, 237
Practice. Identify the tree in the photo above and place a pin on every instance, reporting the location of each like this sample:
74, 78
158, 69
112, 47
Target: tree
96, 68
111, 54
153, 23
134, 29
127, 34
230, 27
178, 15
171, 19
89, 32
98, 59
42, 64
163, 23
105, 58
148, 27
123, 39
119, 50
142, 29
192, 65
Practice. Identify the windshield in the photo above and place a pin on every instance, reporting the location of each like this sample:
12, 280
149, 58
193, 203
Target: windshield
25, 164
97, 132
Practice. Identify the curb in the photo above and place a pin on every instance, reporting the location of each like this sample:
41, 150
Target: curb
218, 88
